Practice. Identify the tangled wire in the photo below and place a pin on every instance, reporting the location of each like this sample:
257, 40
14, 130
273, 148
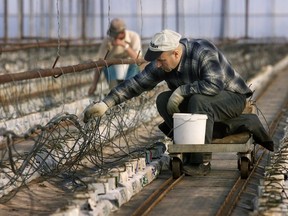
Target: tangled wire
65, 146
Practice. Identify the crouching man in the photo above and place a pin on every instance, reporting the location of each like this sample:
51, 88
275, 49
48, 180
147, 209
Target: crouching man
201, 81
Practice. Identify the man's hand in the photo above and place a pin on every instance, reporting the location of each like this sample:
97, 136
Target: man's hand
94, 110
174, 101
118, 42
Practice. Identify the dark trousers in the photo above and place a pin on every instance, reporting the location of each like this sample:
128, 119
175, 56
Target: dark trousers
218, 108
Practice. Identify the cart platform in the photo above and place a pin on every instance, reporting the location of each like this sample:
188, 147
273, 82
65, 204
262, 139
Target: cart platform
241, 143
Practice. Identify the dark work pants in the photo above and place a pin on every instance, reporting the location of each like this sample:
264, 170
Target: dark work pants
220, 107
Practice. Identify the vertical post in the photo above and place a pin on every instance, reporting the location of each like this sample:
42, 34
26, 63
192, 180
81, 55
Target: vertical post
51, 18
20, 18
5, 20
177, 15
246, 18
180, 16
102, 19
61, 21
70, 20
164, 4
42, 19
31, 18
223, 18
83, 20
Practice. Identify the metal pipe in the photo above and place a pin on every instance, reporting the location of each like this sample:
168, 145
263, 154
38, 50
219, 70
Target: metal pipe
58, 71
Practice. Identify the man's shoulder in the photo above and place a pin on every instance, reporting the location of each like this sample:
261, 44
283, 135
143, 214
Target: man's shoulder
202, 44
196, 41
132, 33
133, 38
193, 43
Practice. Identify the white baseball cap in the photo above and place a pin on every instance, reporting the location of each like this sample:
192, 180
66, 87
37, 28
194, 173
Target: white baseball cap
165, 40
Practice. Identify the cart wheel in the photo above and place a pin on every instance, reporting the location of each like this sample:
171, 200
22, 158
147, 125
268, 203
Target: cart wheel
244, 167
170, 164
176, 168
239, 164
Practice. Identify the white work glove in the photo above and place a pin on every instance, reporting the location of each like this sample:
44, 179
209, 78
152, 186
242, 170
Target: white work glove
174, 101
94, 110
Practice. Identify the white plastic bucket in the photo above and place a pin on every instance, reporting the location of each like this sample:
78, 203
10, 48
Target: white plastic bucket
189, 128
121, 71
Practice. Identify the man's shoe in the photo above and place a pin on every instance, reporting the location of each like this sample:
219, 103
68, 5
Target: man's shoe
268, 145
202, 169
166, 130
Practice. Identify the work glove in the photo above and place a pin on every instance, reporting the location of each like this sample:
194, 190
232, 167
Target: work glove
174, 101
95, 110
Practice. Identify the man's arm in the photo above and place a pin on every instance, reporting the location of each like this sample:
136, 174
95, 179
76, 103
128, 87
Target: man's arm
132, 53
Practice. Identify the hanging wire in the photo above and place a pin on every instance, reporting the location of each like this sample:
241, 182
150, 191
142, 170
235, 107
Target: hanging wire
58, 29
141, 15
58, 38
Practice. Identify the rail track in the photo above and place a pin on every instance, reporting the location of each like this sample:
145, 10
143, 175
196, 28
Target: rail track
223, 191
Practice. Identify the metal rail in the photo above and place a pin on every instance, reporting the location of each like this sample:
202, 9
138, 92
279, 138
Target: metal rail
49, 44
229, 203
234, 195
232, 198
157, 196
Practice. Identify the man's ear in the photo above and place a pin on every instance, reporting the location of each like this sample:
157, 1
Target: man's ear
176, 52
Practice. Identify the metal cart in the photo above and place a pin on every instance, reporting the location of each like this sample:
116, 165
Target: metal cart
241, 143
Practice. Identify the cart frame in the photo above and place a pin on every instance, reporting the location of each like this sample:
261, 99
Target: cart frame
242, 143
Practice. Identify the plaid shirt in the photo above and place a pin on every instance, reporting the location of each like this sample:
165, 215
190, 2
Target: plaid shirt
203, 69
